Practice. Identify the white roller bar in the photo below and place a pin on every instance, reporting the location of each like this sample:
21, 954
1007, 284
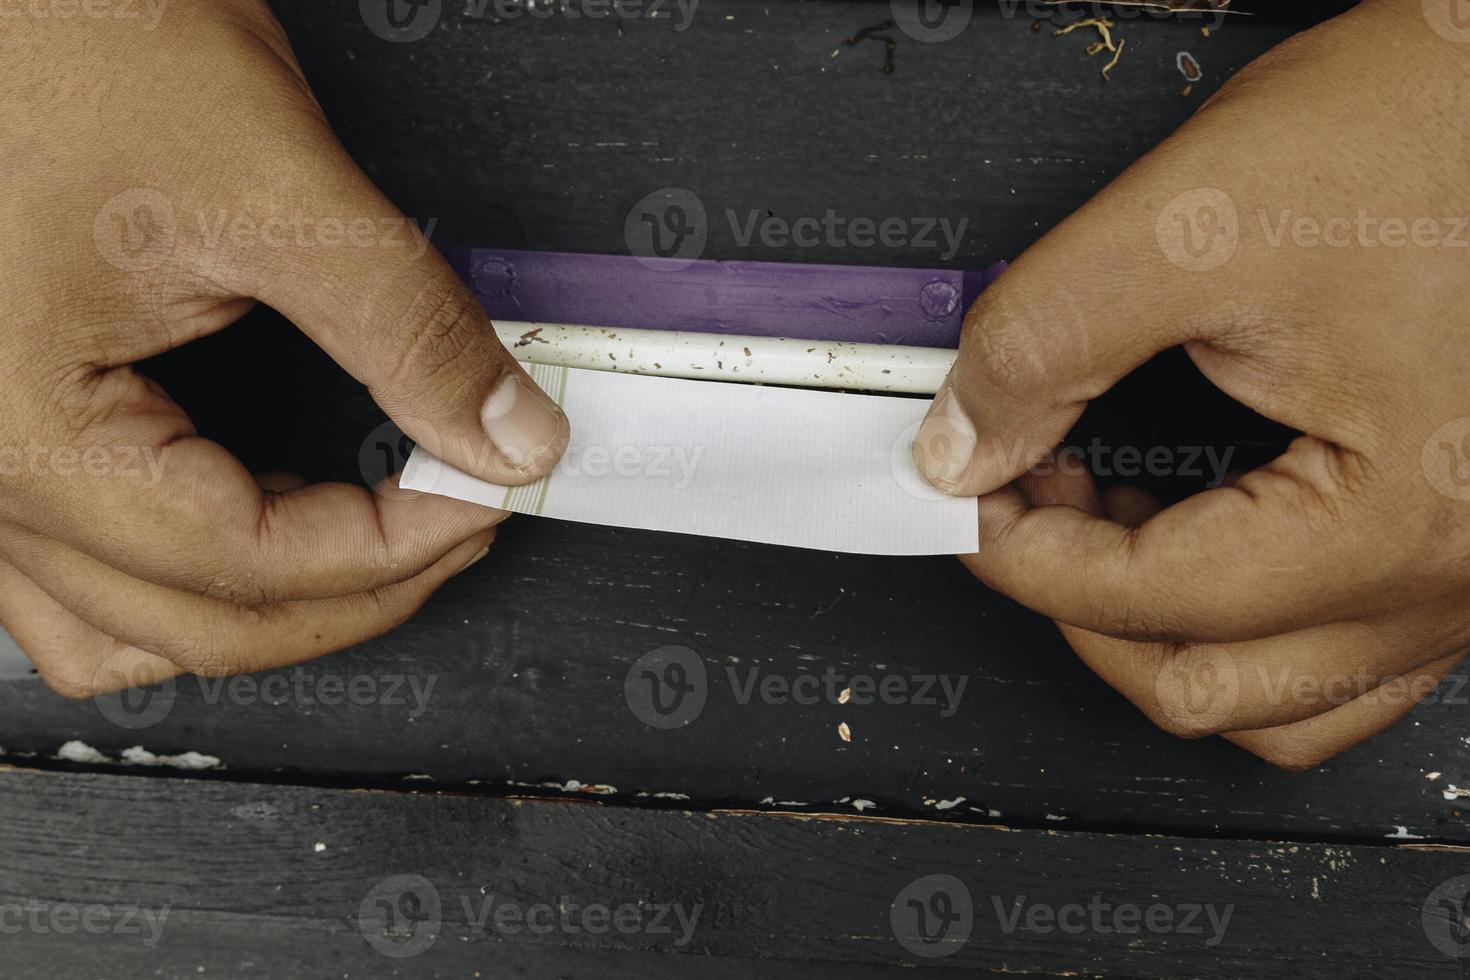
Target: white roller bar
722, 357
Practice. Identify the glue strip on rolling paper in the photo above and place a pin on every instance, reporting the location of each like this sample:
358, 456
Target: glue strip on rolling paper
811, 469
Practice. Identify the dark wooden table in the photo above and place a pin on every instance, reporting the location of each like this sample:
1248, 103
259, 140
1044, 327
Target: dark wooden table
488, 749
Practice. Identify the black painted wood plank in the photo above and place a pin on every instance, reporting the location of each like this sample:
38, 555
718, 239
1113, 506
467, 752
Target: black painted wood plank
291, 867
543, 133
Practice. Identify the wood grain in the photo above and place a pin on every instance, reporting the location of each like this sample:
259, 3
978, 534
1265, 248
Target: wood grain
261, 880
543, 134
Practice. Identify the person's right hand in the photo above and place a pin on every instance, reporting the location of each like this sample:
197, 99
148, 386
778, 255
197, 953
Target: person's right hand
159, 180
1304, 239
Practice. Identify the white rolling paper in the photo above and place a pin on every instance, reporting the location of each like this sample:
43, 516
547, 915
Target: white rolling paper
813, 469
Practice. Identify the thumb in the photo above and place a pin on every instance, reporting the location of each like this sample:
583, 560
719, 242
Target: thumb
1111, 286
378, 298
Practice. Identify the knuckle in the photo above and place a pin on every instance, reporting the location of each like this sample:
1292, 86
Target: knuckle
70, 682
1004, 357
442, 325
394, 605
1177, 718
205, 656
240, 587
1292, 754
1196, 691
218, 645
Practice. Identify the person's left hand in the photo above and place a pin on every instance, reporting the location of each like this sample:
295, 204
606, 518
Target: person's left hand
1302, 237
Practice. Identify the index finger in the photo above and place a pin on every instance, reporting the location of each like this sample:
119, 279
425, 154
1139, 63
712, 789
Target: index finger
1274, 553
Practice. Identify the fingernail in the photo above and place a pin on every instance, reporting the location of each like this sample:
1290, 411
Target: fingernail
946, 441
526, 427
466, 566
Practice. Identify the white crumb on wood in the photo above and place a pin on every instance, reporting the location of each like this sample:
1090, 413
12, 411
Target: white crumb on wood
75, 751
139, 756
